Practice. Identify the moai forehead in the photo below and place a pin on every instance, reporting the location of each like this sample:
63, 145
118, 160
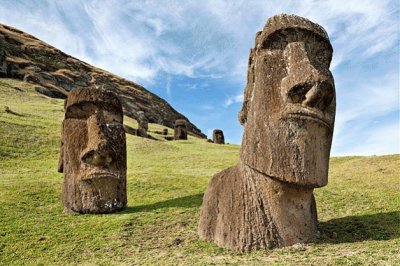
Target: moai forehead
218, 131
287, 25
180, 123
100, 97
289, 102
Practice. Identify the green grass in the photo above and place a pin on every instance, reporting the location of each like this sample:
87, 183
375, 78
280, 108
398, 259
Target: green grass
359, 210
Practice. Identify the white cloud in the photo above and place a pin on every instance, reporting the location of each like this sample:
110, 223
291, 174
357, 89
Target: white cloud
140, 39
168, 87
232, 100
153, 42
376, 99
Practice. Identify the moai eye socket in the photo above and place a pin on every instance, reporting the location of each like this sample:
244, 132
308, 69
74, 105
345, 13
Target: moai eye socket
80, 111
112, 118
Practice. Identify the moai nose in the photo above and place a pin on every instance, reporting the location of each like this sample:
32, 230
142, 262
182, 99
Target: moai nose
319, 96
304, 84
98, 151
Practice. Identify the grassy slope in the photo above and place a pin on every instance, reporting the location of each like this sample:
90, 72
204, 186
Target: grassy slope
359, 210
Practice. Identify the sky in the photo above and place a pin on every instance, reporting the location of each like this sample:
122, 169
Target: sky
194, 55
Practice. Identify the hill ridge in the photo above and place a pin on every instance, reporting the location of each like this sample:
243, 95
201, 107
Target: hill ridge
25, 57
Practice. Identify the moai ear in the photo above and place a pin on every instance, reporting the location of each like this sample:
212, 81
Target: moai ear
61, 158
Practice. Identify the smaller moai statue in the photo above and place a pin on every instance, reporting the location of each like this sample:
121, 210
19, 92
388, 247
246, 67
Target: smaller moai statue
218, 136
93, 152
143, 124
165, 131
180, 129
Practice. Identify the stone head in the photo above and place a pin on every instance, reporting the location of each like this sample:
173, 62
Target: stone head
93, 155
289, 103
142, 120
180, 129
218, 136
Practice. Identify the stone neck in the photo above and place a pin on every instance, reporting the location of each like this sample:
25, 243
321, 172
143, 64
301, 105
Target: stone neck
292, 209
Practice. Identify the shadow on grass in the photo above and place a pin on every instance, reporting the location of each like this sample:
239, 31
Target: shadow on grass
182, 202
379, 226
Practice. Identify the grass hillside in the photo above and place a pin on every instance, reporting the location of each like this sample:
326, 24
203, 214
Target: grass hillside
359, 210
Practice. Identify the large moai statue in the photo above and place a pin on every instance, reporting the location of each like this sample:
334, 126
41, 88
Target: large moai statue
143, 124
180, 131
266, 200
218, 136
93, 152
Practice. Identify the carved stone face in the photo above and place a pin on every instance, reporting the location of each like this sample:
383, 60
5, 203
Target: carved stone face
180, 129
94, 152
218, 136
289, 103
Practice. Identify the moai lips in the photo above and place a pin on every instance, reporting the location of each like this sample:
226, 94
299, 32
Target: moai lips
93, 154
288, 113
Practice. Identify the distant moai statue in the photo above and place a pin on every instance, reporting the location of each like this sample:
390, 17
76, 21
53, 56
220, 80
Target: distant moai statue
143, 124
180, 131
93, 152
266, 200
218, 136
3, 64
165, 131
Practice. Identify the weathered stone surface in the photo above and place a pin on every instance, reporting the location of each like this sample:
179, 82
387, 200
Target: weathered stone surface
93, 152
218, 136
53, 93
165, 131
180, 131
266, 200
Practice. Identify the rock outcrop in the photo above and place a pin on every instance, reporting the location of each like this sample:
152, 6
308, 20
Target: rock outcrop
55, 73
266, 200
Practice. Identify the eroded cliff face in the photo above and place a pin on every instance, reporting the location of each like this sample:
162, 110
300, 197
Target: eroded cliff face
24, 57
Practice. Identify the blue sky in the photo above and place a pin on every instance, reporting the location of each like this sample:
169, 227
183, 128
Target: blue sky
194, 54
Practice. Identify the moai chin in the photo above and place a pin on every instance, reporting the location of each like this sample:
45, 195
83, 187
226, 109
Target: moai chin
93, 152
218, 136
143, 124
180, 131
266, 200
